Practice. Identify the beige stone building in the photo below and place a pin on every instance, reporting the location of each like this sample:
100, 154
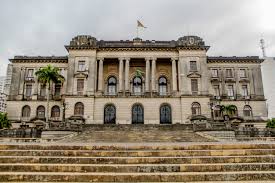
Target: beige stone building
128, 82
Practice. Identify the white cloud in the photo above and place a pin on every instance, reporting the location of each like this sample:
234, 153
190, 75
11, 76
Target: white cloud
43, 27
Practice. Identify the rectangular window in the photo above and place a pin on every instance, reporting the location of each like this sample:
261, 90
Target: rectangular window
244, 90
28, 90
43, 90
242, 73
230, 90
29, 73
57, 89
193, 66
216, 90
80, 86
229, 73
194, 86
81, 65
214, 73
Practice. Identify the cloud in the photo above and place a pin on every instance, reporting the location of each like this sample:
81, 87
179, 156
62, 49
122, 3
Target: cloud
43, 27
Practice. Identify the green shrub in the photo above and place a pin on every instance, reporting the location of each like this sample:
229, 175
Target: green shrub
270, 123
4, 122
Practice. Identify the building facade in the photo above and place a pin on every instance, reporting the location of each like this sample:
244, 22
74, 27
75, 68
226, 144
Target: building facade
2, 94
132, 82
269, 85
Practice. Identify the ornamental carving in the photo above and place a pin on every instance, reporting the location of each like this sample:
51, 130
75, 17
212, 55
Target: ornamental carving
190, 41
83, 40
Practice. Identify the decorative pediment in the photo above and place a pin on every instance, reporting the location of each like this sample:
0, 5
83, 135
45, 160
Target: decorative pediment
83, 40
194, 75
190, 41
244, 80
81, 75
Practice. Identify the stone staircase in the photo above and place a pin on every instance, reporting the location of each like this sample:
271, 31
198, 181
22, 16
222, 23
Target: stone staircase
137, 162
138, 133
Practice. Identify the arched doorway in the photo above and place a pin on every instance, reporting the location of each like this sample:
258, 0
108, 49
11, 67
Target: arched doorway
137, 114
109, 114
165, 114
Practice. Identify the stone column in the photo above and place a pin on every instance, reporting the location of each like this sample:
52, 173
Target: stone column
95, 81
147, 76
127, 67
91, 77
70, 75
120, 76
179, 76
174, 75
35, 85
153, 76
100, 75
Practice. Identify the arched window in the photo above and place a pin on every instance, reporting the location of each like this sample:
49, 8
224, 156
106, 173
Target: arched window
110, 114
165, 114
55, 112
26, 111
247, 111
162, 86
40, 112
79, 109
112, 85
196, 108
137, 85
137, 114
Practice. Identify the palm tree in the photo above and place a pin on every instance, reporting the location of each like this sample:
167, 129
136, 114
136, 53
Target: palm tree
48, 75
139, 73
228, 110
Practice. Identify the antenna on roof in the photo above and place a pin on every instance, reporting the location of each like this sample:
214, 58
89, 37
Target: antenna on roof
262, 45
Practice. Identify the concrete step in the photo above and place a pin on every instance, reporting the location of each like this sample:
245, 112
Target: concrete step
138, 133
137, 153
138, 146
138, 160
137, 177
147, 168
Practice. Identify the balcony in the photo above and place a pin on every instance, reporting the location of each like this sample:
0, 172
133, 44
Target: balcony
137, 93
111, 94
29, 79
40, 97
215, 79
230, 79
217, 97
57, 97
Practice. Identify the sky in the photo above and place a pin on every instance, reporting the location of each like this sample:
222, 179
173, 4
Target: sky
43, 27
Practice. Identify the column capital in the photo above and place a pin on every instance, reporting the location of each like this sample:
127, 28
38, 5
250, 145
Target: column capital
153, 58
174, 58
121, 58
127, 58
101, 59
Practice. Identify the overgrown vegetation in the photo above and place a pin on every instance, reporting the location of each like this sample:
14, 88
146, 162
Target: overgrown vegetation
270, 123
229, 110
4, 121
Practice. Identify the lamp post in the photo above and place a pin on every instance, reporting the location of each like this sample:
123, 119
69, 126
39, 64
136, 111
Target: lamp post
64, 107
211, 105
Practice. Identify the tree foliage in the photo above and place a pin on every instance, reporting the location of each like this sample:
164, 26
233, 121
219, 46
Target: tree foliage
229, 110
270, 123
4, 122
48, 75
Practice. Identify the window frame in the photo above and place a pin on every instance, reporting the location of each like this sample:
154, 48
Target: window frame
196, 86
81, 66
163, 86
193, 66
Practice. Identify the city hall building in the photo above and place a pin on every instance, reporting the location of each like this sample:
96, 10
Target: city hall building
137, 82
